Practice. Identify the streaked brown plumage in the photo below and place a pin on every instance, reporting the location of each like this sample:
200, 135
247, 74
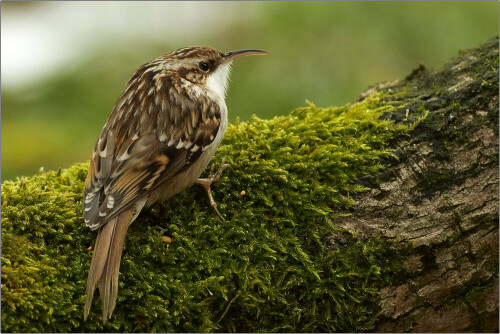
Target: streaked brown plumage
160, 136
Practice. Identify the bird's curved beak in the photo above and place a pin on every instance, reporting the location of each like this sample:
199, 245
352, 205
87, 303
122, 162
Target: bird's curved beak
228, 56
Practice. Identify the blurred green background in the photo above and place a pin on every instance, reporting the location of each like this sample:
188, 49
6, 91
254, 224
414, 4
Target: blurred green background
64, 64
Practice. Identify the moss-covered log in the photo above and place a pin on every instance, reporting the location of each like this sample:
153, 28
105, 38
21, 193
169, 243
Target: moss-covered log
442, 196
379, 215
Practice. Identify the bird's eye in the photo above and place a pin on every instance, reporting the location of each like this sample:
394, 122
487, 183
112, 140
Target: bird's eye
203, 66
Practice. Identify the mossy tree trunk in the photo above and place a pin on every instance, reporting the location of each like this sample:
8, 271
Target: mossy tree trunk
325, 230
442, 196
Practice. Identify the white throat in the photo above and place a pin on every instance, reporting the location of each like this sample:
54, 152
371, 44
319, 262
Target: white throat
218, 81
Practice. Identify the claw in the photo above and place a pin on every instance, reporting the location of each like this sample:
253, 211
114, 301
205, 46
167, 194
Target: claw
207, 182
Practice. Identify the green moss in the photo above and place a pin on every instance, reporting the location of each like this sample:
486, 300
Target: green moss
265, 268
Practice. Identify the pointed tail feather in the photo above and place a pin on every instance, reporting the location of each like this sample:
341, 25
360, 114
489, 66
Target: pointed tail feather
105, 265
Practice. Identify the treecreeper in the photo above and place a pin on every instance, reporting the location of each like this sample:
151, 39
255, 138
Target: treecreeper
160, 136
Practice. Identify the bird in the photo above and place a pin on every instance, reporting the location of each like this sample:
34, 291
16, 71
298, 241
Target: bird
160, 136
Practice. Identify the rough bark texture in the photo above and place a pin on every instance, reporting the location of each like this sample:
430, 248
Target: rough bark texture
442, 196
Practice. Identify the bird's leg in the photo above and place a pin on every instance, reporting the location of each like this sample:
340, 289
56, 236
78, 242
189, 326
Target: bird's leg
213, 177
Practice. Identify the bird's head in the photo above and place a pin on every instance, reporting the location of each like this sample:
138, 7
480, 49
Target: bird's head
206, 66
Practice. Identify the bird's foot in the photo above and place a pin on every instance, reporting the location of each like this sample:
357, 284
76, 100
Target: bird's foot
213, 177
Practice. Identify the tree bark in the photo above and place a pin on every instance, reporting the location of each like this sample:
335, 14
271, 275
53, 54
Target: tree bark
442, 196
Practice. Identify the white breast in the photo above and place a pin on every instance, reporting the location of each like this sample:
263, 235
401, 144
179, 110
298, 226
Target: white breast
217, 81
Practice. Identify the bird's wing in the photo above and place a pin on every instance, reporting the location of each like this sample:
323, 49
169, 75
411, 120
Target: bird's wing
126, 170
99, 170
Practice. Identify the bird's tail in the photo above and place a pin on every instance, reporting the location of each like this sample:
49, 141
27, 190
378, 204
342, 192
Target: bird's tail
103, 273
